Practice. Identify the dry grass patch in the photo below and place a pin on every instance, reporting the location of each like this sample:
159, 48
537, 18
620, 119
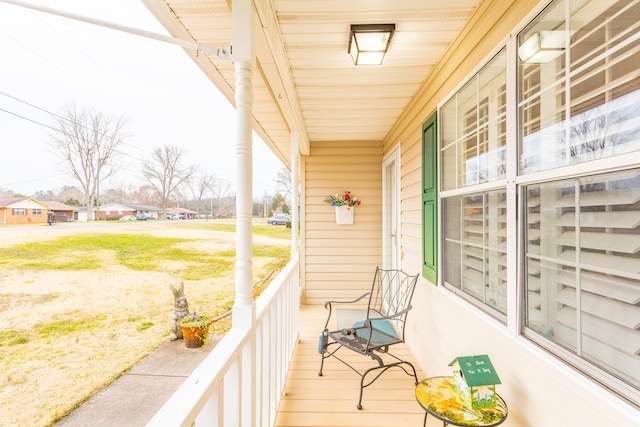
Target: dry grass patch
69, 330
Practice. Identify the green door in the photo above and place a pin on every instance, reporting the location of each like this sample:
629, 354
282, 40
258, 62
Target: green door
430, 199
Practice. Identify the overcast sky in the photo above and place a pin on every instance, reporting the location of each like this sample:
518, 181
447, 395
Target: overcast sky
48, 62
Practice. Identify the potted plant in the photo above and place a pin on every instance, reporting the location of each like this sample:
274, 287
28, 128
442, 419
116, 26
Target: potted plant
344, 206
195, 330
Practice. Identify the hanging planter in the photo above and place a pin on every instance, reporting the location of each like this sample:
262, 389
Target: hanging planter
345, 205
344, 214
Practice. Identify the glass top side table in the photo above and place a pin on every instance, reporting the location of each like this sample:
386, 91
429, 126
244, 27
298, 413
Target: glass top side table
438, 397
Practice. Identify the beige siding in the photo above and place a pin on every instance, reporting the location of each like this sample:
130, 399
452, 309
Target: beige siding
339, 260
538, 389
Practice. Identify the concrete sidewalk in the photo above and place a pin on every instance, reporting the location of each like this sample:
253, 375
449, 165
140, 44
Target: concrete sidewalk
139, 393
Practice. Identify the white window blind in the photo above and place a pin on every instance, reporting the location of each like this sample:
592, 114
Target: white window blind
583, 268
476, 247
579, 101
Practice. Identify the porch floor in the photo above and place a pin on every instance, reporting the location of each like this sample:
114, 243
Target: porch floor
331, 400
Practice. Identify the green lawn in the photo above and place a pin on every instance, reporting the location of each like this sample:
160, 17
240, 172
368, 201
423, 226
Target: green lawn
64, 301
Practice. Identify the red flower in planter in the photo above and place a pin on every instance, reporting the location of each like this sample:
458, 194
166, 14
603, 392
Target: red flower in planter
344, 199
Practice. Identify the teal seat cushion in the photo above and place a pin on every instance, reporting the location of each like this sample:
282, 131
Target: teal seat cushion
387, 336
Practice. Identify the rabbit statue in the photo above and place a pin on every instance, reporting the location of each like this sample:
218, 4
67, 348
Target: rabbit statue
180, 310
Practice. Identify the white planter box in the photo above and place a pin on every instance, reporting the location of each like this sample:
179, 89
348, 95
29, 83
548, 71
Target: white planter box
344, 214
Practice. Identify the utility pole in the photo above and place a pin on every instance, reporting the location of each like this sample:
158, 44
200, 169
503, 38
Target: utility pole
265, 205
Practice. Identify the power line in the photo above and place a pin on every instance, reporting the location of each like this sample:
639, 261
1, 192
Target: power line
32, 180
30, 120
62, 118
76, 47
124, 154
32, 105
69, 73
65, 72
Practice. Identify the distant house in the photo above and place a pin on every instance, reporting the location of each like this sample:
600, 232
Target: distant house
22, 210
118, 210
115, 210
188, 213
81, 213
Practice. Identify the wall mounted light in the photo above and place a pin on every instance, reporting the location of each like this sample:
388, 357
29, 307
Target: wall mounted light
369, 43
544, 46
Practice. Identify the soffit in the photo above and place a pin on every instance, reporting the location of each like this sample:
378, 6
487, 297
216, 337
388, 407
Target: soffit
305, 80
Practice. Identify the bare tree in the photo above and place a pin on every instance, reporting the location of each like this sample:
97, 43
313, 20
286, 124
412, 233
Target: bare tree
120, 192
198, 185
145, 195
227, 207
45, 195
165, 173
283, 182
87, 142
219, 189
68, 193
590, 135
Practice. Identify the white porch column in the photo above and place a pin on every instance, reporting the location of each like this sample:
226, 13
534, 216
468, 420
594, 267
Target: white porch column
243, 58
294, 194
244, 312
244, 193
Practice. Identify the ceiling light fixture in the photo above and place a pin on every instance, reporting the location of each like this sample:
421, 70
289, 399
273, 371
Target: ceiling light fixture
369, 43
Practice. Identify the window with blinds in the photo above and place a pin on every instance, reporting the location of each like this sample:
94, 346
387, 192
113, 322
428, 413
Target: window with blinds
474, 136
578, 102
583, 265
476, 247
474, 141
578, 239
578, 84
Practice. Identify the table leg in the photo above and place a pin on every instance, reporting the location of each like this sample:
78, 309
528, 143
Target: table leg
444, 423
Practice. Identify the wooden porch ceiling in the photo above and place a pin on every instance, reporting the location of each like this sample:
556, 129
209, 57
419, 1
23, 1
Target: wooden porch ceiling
305, 79
331, 400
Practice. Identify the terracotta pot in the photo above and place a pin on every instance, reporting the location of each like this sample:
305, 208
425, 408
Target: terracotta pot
194, 336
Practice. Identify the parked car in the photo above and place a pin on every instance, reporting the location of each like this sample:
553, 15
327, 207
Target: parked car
128, 218
144, 216
279, 219
177, 216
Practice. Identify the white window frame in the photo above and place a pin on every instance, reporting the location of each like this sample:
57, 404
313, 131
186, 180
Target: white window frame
505, 183
514, 184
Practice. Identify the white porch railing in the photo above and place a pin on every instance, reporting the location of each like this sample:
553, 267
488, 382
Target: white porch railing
221, 390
